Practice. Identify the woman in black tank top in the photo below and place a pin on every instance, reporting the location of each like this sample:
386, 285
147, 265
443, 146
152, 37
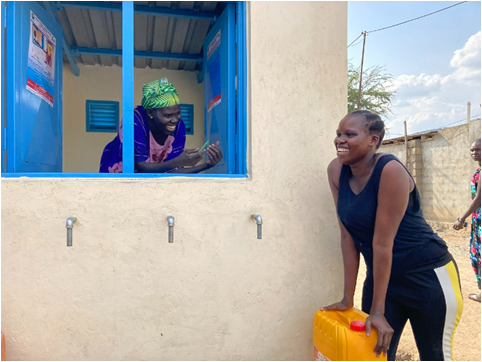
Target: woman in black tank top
410, 273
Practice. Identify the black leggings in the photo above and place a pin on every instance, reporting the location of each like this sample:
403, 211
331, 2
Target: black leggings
432, 301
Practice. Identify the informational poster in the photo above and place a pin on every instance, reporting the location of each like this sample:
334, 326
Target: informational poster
214, 70
41, 60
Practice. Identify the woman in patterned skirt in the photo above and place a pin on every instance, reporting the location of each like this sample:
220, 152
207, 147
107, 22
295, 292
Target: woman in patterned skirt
474, 209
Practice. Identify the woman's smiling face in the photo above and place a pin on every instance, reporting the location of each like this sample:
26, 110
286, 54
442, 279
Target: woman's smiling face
165, 119
353, 141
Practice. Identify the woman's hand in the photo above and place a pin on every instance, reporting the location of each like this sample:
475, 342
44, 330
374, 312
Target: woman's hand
459, 224
215, 155
189, 157
385, 332
343, 305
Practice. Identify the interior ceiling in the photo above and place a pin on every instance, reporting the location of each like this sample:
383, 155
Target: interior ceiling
102, 29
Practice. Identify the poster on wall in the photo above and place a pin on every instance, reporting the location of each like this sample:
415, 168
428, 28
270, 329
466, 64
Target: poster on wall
214, 70
41, 60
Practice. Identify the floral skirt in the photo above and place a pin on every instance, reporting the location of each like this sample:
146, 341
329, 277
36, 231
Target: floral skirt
475, 244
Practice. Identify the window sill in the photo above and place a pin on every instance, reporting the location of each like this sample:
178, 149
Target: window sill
120, 177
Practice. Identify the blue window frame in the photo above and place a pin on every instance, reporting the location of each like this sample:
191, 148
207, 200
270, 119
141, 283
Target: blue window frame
237, 56
187, 115
101, 116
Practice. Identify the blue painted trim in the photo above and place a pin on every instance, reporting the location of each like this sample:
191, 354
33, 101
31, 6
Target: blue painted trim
231, 85
70, 57
90, 106
128, 86
139, 9
242, 124
200, 76
119, 176
4, 141
4, 130
48, 5
150, 55
10, 88
190, 109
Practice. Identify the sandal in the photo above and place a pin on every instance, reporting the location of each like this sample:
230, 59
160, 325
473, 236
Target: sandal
475, 297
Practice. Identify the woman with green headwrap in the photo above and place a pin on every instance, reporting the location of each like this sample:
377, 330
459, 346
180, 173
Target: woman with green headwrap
159, 137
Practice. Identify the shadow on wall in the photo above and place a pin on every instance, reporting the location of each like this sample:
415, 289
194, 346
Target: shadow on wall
445, 174
431, 172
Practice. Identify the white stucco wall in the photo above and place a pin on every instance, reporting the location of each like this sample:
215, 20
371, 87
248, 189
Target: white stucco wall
82, 150
446, 171
121, 292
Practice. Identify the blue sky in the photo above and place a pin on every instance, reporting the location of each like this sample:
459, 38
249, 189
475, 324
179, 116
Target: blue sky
435, 60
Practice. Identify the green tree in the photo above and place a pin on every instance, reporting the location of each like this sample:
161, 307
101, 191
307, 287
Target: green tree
375, 94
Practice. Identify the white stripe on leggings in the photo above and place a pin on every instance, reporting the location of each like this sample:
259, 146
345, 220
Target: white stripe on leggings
453, 310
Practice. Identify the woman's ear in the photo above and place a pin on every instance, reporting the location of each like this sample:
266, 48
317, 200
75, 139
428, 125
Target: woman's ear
149, 112
374, 140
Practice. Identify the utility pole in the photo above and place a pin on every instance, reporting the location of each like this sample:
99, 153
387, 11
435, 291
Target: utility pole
361, 69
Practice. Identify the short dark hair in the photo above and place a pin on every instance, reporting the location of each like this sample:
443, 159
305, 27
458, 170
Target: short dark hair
374, 123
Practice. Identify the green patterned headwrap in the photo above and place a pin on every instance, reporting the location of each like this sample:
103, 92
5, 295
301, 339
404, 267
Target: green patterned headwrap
159, 94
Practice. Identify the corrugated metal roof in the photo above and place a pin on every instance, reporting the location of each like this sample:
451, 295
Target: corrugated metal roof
423, 134
89, 28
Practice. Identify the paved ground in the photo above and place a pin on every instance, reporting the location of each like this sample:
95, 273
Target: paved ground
467, 342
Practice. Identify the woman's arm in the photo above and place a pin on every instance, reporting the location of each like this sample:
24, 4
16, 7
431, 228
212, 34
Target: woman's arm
195, 169
393, 195
474, 205
351, 256
214, 156
186, 158
351, 264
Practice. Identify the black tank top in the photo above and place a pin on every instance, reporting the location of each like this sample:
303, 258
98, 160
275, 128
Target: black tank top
416, 247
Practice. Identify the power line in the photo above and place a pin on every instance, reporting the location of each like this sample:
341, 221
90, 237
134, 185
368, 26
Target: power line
355, 40
461, 120
358, 42
408, 21
390, 134
420, 17
449, 124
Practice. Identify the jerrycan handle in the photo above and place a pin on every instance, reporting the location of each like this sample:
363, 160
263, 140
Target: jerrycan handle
344, 318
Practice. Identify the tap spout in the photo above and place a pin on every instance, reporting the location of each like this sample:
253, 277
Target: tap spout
70, 222
170, 223
259, 220
259, 223
70, 225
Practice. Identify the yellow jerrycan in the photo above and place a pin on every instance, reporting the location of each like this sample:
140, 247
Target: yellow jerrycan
341, 336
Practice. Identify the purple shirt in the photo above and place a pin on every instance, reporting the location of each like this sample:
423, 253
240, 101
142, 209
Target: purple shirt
146, 149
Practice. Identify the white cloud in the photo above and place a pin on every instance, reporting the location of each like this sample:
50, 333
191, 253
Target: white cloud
469, 55
409, 86
466, 61
429, 101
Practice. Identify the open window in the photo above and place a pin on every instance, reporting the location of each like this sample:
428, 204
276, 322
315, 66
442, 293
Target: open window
199, 46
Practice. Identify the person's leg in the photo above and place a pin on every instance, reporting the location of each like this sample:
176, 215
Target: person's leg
396, 316
475, 256
435, 318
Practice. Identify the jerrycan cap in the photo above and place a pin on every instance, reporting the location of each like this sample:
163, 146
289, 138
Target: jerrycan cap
357, 326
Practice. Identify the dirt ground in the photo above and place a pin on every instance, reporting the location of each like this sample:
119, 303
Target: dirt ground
467, 342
